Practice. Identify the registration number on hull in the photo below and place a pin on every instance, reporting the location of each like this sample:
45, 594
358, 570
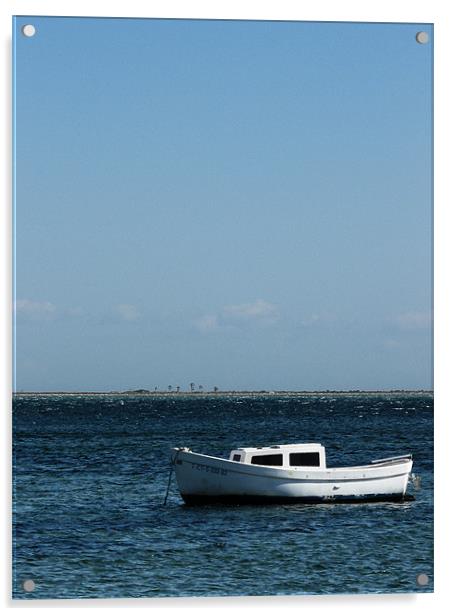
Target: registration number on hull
209, 469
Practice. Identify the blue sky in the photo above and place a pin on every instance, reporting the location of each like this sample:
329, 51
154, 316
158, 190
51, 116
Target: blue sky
239, 204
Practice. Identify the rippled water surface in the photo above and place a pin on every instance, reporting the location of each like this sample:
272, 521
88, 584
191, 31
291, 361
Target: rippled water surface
90, 476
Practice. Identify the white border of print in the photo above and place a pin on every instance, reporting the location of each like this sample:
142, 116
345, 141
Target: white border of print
433, 11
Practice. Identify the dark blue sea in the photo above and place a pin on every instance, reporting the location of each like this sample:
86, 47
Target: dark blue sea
91, 472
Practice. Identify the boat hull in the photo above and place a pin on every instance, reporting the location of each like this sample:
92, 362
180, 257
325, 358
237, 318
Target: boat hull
243, 499
205, 479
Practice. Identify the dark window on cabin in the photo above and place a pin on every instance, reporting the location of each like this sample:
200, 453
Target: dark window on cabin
270, 460
311, 458
237, 457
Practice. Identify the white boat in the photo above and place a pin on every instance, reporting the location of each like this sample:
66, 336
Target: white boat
284, 474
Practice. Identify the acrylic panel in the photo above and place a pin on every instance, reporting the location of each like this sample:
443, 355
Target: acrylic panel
222, 308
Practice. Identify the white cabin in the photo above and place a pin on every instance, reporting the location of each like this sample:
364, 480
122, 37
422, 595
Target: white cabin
289, 456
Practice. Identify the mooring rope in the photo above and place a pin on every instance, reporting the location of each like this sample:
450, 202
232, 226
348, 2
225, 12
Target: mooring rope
172, 465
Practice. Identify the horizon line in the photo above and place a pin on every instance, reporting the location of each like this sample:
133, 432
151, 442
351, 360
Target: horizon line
222, 391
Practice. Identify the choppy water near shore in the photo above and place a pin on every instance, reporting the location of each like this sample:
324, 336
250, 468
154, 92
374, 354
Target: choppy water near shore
90, 475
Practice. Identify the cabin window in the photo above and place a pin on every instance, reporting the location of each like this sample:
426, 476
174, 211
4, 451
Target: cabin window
308, 458
270, 460
237, 457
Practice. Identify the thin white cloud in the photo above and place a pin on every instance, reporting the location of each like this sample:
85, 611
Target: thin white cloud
256, 311
127, 312
391, 343
233, 316
208, 323
317, 318
414, 320
75, 312
312, 319
35, 310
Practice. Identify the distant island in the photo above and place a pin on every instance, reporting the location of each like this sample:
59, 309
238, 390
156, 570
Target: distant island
173, 393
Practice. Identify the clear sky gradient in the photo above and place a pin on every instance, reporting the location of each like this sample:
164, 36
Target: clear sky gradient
245, 205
